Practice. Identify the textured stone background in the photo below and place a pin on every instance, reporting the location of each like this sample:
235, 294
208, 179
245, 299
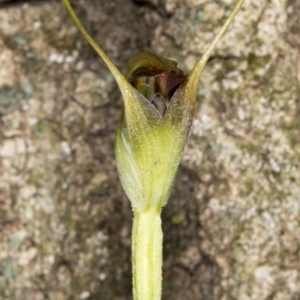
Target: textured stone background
232, 225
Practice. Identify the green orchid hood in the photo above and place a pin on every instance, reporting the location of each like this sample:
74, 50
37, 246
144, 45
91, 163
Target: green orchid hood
159, 105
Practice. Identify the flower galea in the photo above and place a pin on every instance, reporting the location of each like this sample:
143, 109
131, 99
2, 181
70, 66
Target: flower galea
159, 104
153, 130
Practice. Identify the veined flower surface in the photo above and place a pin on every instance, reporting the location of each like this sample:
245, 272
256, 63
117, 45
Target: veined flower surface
154, 129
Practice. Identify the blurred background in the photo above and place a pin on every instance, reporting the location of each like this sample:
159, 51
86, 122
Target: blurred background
232, 225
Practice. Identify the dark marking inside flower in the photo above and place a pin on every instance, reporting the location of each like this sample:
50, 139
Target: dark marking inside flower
155, 77
168, 83
159, 103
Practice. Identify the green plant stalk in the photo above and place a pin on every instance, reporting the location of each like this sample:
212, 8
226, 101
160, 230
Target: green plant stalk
147, 240
148, 150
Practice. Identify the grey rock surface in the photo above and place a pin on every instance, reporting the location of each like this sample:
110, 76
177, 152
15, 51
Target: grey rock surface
231, 227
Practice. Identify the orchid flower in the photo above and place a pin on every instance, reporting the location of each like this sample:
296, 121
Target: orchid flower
159, 104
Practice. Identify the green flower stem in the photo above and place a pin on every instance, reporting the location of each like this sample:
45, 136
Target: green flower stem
147, 239
149, 147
